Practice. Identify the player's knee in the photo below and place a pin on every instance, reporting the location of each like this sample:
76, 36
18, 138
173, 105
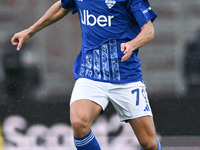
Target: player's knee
80, 121
149, 144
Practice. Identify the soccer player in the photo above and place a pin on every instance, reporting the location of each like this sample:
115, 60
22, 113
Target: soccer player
107, 68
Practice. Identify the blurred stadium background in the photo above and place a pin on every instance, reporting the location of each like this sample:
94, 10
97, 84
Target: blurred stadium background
36, 83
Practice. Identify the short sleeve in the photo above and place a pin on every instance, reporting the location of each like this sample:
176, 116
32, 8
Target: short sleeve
68, 4
142, 11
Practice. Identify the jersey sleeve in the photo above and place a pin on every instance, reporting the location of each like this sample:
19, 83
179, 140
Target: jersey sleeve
142, 11
68, 4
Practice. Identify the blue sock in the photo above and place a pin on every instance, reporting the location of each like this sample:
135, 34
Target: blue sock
159, 146
87, 142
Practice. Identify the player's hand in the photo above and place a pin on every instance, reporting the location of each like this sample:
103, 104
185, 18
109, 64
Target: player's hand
20, 38
127, 49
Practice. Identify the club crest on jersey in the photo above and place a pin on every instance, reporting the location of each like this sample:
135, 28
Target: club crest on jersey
110, 3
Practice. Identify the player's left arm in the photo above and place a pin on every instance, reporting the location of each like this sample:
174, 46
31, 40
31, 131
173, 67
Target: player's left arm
145, 36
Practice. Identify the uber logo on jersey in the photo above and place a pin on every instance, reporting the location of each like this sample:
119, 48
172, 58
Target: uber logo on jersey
91, 20
110, 3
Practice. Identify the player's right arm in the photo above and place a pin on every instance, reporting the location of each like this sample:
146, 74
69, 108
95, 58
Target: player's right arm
53, 14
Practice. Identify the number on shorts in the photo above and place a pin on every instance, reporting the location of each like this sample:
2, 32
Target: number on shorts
137, 95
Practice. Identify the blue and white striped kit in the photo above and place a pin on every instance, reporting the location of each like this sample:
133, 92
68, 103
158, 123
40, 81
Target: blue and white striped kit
105, 25
102, 63
84, 141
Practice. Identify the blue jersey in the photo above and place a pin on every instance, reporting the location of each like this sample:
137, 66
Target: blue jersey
105, 24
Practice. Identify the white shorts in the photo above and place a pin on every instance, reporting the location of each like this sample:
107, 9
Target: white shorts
129, 100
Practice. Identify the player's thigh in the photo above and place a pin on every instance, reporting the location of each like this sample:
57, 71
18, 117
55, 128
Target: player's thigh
88, 99
144, 129
84, 111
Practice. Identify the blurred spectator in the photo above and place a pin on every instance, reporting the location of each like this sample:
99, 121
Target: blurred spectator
192, 63
20, 79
